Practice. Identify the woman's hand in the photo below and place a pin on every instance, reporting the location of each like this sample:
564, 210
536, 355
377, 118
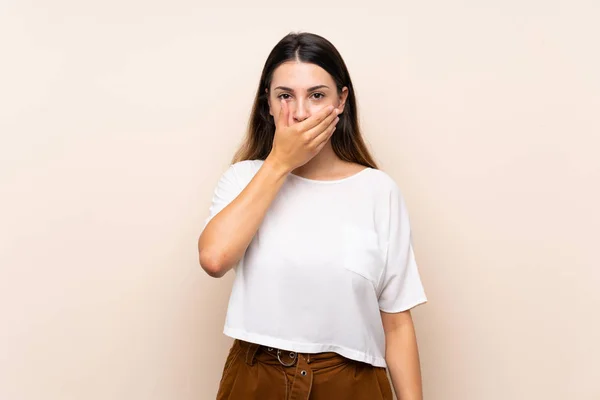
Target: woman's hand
295, 144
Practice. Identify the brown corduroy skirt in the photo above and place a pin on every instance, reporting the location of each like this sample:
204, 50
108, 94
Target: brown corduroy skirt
256, 372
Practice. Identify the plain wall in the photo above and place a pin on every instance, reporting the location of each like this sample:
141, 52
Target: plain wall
117, 118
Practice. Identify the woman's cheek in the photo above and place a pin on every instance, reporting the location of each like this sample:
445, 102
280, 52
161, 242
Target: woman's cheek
319, 108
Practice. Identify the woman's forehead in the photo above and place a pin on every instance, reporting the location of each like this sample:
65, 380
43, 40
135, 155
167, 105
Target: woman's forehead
300, 76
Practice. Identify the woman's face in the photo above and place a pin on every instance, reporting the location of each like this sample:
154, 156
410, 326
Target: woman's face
306, 88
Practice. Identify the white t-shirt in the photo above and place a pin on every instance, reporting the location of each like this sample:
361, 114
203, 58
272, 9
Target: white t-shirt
326, 258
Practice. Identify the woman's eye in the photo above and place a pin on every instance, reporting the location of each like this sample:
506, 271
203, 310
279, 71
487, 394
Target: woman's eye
321, 95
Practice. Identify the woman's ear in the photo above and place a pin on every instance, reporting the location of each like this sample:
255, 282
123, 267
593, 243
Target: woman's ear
343, 97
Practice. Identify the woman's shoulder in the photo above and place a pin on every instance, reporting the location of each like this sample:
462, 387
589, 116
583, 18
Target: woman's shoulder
383, 181
244, 170
248, 164
379, 179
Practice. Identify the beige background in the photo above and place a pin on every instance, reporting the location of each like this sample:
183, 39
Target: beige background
117, 118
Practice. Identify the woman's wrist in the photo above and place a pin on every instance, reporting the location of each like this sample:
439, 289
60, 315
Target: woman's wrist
277, 166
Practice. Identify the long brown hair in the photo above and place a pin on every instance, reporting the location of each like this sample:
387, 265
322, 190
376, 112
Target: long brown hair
347, 141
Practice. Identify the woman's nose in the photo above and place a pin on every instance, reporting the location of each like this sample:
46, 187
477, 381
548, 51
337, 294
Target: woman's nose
301, 112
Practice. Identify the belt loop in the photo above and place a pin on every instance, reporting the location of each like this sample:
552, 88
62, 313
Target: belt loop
251, 349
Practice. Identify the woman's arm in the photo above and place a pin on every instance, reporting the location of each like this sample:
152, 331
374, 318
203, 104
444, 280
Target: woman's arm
402, 355
228, 234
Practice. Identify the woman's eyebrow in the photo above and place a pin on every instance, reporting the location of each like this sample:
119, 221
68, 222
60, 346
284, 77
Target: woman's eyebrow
310, 89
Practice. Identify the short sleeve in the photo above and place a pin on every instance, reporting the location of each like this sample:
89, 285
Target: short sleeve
401, 287
228, 188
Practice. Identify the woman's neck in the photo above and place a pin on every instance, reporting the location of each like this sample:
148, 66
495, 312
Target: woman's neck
325, 165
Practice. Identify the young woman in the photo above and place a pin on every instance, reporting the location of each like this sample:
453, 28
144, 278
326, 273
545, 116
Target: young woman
320, 242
